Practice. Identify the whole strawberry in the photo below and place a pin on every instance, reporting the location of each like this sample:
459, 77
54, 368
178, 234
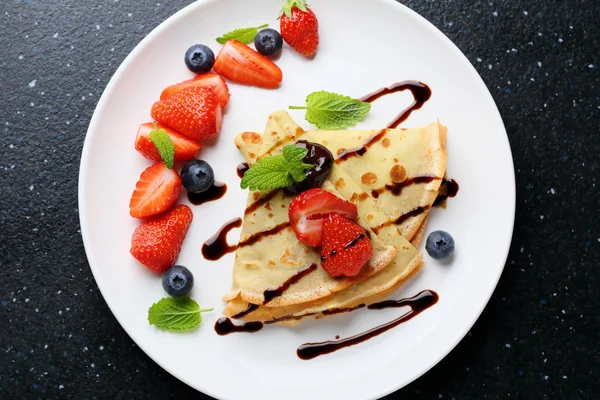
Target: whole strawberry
346, 247
195, 112
156, 243
299, 27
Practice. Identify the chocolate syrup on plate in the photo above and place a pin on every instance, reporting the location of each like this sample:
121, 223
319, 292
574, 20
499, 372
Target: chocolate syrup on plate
448, 188
224, 326
420, 92
217, 246
242, 168
417, 304
215, 192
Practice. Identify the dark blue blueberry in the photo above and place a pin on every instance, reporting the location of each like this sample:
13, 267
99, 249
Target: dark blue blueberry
439, 245
199, 58
197, 176
178, 281
268, 42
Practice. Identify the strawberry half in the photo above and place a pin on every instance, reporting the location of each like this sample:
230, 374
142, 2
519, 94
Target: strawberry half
185, 149
208, 81
299, 27
194, 112
156, 243
155, 192
239, 63
346, 246
309, 209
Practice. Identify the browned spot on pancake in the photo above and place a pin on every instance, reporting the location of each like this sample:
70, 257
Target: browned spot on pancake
256, 195
251, 137
238, 146
385, 143
340, 183
354, 197
369, 179
283, 206
359, 137
270, 215
363, 196
306, 251
299, 131
405, 248
370, 217
268, 206
398, 173
340, 151
395, 160
325, 143
272, 263
273, 133
251, 155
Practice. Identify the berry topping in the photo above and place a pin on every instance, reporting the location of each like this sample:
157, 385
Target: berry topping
299, 27
268, 42
199, 58
156, 243
239, 63
194, 112
321, 158
155, 192
178, 281
440, 245
197, 176
346, 246
208, 81
185, 149
309, 209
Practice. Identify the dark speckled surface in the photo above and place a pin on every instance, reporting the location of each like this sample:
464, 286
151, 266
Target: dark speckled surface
538, 337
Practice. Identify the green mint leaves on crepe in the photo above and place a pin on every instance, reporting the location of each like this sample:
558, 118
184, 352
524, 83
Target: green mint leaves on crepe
176, 314
278, 171
333, 111
164, 145
244, 35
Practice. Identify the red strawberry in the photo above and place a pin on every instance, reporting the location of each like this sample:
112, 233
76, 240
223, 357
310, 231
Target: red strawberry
156, 243
299, 27
185, 149
194, 112
209, 81
308, 210
346, 246
239, 63
155, 192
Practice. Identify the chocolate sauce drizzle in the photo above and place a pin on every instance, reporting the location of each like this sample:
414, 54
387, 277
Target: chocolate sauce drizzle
271, 294
259, 235
242, 168
420, 92
216, 247
448, 188
260, 202
414, 212
215, 192
251, 307
396, 188
418, 304
224, 326
360, 151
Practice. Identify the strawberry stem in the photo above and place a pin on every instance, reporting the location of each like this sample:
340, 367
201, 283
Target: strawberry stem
298, 108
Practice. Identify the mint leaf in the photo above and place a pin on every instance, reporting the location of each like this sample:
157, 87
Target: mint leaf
244, 35
333, 111
173, 314
164, 145
278, 171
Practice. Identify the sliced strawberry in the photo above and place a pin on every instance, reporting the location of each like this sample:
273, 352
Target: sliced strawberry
239, 63
156, 243
155, 192
185, 149
308, 210
346, 246
194, 112
208, 81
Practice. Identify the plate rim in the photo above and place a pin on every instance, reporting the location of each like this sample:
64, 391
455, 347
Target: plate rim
140, 47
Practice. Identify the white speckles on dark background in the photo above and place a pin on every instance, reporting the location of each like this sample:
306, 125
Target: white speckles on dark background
537, 338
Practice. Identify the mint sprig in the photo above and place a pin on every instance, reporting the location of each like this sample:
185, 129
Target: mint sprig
244, 35
173, 314
333, 111
278, 171
163, 143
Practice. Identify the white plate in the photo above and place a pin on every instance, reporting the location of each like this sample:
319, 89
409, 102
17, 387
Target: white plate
365, 45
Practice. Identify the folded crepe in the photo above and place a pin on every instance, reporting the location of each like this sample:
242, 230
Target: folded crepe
396, 157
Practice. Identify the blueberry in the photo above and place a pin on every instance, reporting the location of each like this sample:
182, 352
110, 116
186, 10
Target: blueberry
321, 158
199, 58
439, 245
268, 42
197, 176
178, 281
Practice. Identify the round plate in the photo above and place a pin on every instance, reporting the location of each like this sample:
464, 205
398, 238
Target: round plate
365, 46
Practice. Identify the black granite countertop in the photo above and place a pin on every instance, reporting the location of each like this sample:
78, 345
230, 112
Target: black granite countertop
538, 338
